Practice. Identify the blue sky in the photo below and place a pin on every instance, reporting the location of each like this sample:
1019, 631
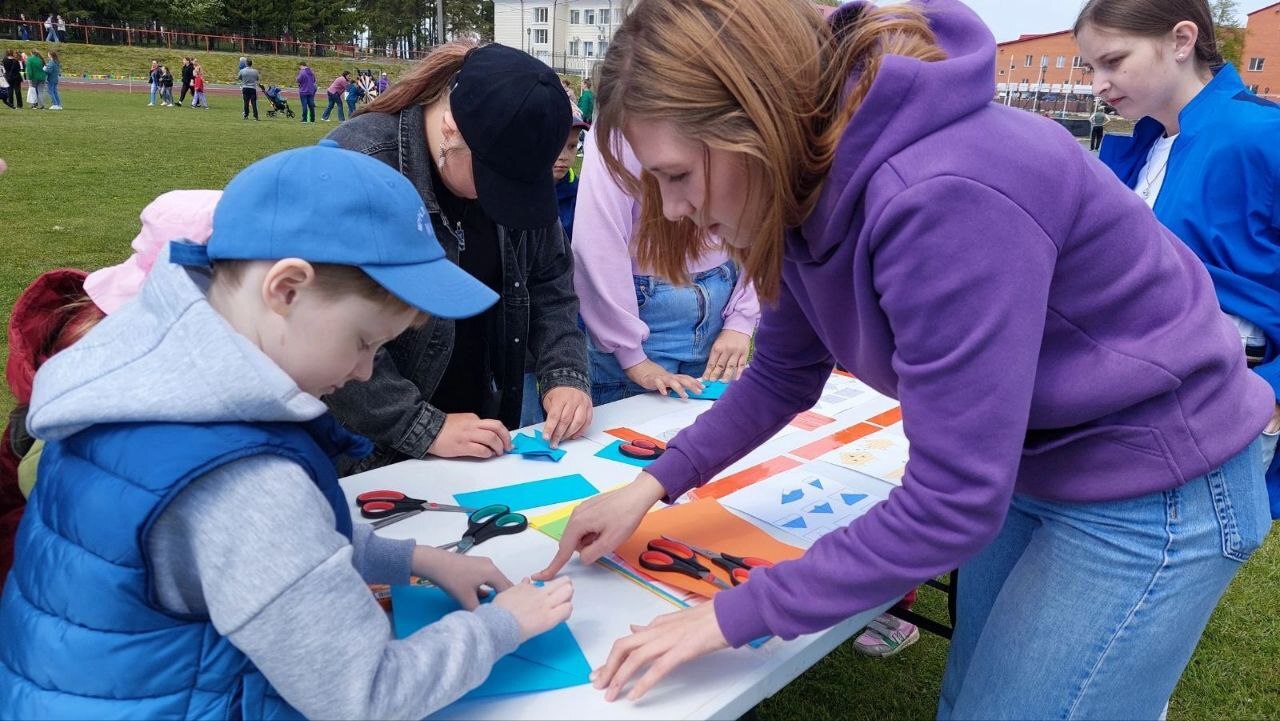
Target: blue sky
1010, 18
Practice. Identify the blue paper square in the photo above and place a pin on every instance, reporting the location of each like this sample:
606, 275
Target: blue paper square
612, 453
535, 447
549, 661
533, 494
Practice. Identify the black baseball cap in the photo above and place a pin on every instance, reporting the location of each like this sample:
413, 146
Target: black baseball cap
514, 116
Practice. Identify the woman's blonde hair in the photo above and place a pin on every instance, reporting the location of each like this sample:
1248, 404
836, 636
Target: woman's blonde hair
426, 83
768, 79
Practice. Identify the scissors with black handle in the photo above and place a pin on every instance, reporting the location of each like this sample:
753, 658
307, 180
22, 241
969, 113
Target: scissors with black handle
738, 567
394, 506
486, 523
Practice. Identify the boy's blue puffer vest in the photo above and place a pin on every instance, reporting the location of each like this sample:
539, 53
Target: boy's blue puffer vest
81, 632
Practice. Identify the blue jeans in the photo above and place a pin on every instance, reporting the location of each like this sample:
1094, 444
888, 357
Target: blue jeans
308, 106
154, 89
531, 411
351, 105
683, 321
54, 98
335, 100
1095, 608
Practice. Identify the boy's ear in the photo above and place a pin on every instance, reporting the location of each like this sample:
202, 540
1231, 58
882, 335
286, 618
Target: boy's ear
449, 128
284, 281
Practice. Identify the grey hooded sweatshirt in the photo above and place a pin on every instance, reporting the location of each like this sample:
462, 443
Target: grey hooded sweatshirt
274, 577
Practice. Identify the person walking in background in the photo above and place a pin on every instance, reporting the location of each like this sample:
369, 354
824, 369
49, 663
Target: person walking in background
587, 101
52, 73
62, 29
336, 89
198, 100
383, 83
188, 74
35, 76
13, 75
50, 30
243, 63
355, 91
154, 78
1097, 122
166, 87
249, 79
307, 92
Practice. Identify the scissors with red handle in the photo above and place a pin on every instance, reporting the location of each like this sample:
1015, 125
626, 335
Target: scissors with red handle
666, 556
738, 567
393, 506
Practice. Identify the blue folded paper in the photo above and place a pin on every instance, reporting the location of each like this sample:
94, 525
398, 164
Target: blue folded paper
550, 661
711, 390
535, 446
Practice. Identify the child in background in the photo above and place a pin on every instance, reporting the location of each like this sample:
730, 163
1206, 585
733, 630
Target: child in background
354, 93
166, 87
163, 426
199, 100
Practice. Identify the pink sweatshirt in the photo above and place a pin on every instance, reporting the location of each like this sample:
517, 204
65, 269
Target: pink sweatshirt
338, 86
603, 223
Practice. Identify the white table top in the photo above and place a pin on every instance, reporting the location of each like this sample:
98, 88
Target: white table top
724, 685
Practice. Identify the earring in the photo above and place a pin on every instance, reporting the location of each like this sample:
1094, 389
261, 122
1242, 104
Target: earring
442, 156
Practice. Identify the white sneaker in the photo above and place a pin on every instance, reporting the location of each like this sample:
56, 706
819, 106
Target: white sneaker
55, 107
151, 105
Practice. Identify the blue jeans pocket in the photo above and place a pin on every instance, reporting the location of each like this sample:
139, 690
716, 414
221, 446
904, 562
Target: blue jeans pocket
1239, 497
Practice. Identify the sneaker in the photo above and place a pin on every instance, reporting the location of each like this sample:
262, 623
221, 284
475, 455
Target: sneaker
885, 636
151, 105
326, 120
55, 107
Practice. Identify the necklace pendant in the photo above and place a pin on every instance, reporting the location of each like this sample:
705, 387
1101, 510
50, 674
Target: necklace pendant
1146, 192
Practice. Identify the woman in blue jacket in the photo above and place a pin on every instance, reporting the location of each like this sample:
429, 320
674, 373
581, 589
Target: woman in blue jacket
1203, 156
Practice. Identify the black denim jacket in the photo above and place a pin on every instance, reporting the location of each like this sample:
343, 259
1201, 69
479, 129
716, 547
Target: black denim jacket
537, 315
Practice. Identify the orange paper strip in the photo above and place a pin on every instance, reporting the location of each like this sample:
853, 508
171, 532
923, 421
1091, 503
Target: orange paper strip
744, 478
703, 523
628, 435
888, 418
835, 440
809, 421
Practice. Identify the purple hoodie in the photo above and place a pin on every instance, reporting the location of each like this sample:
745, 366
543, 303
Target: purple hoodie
1043, 332
306, 81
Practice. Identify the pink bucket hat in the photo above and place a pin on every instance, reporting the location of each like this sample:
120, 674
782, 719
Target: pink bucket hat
177, 214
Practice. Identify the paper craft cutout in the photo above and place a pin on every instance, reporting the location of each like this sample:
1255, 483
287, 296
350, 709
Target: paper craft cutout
530, 495
549, 661
809, 421
882, 454
535, 446
735, 481
711, 390
842, 393
811, 506
705, 523
612, 453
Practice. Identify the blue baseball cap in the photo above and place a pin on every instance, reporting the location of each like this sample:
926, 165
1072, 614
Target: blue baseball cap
324, 204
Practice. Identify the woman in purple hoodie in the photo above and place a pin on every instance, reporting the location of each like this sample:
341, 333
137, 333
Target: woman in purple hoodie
307, 92
1084, 432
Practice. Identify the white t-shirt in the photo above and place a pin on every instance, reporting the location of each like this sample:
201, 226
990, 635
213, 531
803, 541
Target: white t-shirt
1151, 177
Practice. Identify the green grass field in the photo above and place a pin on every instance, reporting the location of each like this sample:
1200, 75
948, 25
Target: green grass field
124, 62
78, 179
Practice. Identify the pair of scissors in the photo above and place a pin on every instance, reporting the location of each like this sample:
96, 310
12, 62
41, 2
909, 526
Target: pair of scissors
665, 555
488, 522
738, 567
393, 506
641, 450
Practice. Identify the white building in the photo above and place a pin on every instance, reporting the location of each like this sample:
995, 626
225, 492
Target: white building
569, 35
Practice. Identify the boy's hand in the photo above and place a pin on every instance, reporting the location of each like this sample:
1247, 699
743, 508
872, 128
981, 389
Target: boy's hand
467, 434
463, 577
568, 414
538, 608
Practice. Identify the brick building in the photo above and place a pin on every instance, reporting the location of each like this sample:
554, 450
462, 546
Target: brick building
1260, 60
1043, 70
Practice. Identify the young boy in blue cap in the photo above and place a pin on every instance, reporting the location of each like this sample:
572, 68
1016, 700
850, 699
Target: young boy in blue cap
187, 552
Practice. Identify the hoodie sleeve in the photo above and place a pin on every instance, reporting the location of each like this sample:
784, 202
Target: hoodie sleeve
603, 224
280, 583
965, 388
742, 312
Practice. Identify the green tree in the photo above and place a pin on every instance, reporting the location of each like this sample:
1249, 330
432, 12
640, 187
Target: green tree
1227, 30
463, 18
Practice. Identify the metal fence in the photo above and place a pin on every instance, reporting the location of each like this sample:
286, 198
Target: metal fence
182, 40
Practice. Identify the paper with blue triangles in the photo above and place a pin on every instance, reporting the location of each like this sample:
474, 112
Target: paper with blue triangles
806, 504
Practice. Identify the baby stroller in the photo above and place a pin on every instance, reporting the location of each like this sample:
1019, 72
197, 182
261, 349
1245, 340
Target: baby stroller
278, 104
